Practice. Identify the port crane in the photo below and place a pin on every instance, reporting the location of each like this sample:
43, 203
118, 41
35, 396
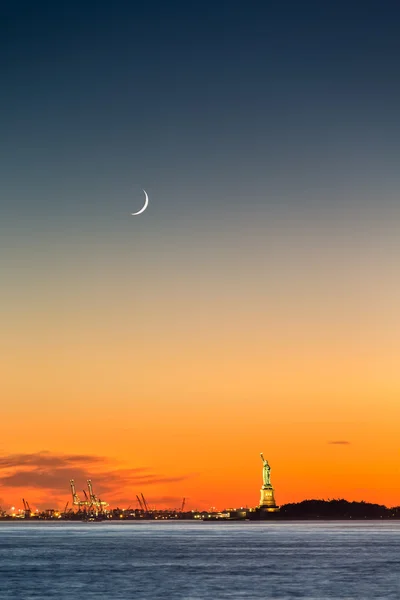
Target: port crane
76, 501
145, 503
94, 500
27, 509
91, 502
140, 503
75, 497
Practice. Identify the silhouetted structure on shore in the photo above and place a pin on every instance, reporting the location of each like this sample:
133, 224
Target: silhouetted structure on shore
307, 510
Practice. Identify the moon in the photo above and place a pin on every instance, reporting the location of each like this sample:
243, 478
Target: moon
146, 203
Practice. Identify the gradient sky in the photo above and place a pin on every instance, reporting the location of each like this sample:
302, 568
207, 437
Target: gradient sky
254, 305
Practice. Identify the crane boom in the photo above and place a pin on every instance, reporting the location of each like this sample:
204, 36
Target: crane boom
75, 497
91, 494
145, 503
27, 508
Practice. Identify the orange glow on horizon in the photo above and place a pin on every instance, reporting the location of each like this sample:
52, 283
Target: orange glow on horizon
191, 366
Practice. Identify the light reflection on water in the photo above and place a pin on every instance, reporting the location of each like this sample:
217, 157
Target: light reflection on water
193, 561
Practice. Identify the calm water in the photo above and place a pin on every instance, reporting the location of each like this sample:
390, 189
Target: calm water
193, 561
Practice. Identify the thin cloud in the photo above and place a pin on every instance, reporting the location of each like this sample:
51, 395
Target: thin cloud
46, 459
53, 472
59, 478
339, 442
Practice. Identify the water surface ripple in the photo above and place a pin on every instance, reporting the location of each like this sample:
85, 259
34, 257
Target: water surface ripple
193, 561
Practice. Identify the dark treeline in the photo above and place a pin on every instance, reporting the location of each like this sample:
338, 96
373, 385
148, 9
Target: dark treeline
337, 509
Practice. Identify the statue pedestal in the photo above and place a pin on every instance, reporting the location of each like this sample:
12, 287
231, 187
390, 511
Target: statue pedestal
267, 501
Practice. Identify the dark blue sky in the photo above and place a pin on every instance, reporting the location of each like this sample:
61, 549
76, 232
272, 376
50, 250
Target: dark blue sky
291, 95
234, 116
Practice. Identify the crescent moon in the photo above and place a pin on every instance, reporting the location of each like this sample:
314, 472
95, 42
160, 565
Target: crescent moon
146, 203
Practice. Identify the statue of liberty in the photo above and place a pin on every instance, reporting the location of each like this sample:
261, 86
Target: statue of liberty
266, 472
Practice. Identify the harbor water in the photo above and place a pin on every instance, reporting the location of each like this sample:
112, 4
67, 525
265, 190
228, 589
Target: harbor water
194, 560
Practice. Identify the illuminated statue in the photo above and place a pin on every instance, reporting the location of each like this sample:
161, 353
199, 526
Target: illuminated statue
266, 471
